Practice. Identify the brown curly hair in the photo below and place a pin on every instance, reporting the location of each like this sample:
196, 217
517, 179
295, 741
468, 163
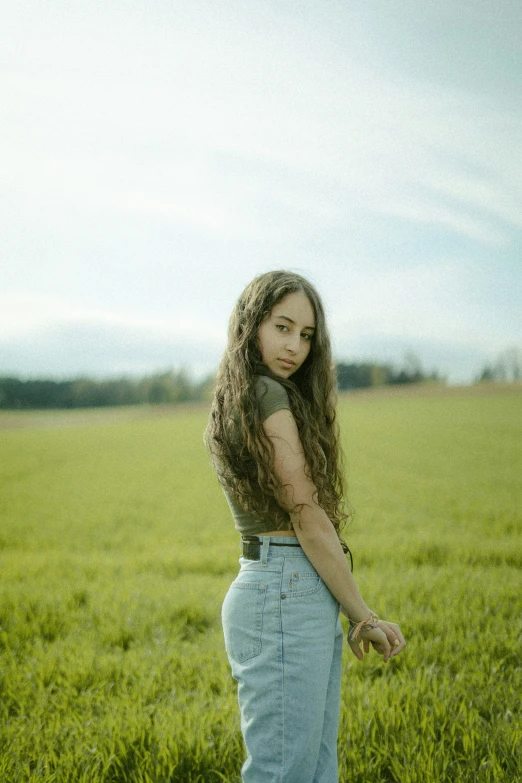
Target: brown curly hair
241, 452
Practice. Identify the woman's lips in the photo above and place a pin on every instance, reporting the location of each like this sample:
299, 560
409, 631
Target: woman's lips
287, 363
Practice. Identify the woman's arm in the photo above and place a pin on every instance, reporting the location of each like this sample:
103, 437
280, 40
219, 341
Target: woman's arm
317, 535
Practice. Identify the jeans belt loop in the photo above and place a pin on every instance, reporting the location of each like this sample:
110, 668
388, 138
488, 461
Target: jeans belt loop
264, 550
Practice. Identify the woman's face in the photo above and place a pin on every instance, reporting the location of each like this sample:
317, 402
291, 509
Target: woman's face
285, 334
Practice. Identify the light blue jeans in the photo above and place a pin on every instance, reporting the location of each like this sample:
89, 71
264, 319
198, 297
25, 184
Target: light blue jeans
283, 638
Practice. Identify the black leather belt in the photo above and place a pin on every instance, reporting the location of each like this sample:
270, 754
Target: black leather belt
252, 546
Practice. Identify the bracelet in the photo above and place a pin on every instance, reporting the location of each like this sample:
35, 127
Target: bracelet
364, 625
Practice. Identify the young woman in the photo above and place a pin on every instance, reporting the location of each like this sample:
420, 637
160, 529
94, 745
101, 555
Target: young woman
273, 439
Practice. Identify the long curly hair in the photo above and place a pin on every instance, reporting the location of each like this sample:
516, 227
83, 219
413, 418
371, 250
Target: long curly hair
241, 452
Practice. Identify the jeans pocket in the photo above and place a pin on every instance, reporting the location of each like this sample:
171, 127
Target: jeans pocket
303, 584
242, 616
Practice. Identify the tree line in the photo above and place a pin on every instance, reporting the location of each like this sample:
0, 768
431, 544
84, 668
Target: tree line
171, 387
177, 386
507, 367
365, 374
165, 387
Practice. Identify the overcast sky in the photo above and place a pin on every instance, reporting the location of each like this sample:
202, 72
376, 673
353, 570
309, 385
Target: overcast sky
155, 155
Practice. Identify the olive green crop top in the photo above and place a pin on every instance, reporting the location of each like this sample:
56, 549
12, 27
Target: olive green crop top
271, 396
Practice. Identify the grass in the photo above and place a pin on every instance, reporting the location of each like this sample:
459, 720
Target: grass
116, 549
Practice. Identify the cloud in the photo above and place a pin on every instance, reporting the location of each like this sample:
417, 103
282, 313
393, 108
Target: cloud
156, 158
53, 340
46, 338
432, 306
187, 128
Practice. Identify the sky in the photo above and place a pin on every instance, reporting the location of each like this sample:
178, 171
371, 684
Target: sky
156, 156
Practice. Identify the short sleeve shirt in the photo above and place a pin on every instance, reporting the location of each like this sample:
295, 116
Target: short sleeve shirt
272, 396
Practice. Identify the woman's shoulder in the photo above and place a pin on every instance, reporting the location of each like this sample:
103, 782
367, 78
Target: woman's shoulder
271, 395
266, 383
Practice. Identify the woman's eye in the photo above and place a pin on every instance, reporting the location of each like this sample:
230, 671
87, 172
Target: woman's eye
306, 336
281, 327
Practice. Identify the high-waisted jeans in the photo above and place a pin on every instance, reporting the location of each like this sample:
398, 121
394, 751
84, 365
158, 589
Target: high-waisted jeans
283, 638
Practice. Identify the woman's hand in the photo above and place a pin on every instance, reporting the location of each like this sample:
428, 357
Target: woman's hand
386, 639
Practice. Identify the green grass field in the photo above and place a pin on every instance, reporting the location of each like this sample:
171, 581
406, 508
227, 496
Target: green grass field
116, 549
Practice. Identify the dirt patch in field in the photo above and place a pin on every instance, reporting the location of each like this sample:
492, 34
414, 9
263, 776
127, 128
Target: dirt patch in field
82, 417
433, 390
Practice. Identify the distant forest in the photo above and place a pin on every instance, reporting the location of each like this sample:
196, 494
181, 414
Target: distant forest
169, 387
177, 386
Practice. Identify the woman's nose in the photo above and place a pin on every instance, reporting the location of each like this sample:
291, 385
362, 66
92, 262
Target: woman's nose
293, 342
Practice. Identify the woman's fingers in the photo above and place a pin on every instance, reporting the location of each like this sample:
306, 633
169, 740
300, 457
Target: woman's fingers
387, 640
394, 636
386, 648
354, 644
379, 642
